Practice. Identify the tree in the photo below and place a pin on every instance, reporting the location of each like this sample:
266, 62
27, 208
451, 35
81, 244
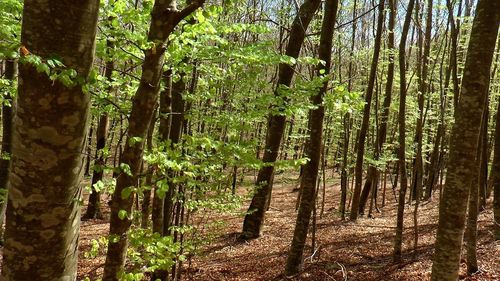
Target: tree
464, 139
495, 170
366, 119
165, 17
314, 143
48, 141
254, 220
94, 206
398, 240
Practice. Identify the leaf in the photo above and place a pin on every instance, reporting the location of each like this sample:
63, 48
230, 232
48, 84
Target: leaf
133, 140
126, 169
122, 214
126, 192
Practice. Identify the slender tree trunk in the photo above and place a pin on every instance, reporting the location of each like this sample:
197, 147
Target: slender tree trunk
355, 208
94, 207
165, 115
313, 145
398, 240
178, 108
463, 143
254, 220
453, 55
48, 143
344, 181
470, 237
165, 18
146, 201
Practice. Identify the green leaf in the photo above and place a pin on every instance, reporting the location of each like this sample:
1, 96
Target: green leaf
126, 192
126, 169
122, 214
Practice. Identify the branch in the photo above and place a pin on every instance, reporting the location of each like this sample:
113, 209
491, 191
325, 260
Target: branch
182, 14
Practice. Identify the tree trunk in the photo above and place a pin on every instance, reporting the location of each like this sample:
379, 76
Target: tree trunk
94, 207
463, 143
470, 239
313, 145
495, 171
178, 107
165, 115
344, 181
254, 220
398, 240
165, 18
355, 208
146, 201
48, 144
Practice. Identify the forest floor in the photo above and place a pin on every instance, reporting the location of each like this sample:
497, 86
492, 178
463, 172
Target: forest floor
345, 250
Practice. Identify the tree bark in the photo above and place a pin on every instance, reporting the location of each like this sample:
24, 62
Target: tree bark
463, 143
48, 143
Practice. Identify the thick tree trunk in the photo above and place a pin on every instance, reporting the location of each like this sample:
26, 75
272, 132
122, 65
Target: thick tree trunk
165, 18
48, 144
313, 145
463, 144
254, 220
355, 208
398, 240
